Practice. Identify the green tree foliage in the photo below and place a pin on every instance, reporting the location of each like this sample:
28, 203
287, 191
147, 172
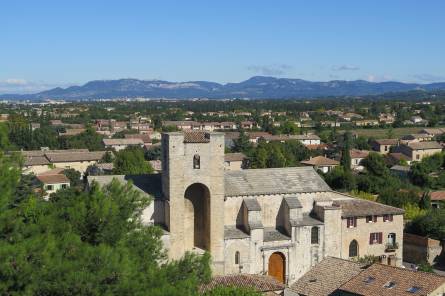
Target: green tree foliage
431, 225
86, 243
259, 157
88, 139
375, 165
75, 177
398, 198
425, 201
121, 134
425, 267
4, 137
340, 179
277, 154
276, 157
363, 195
368, 259
107, 158
130, 161
242, 144
288, 128
345, 160
413, 211
44, 137
362, 143
153, 153
421, 172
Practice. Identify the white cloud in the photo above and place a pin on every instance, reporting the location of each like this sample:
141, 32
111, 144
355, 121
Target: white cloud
378, 78
277, 69
428, 77
345, 68
22, 86
15, 81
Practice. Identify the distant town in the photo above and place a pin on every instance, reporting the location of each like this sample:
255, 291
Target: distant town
289, 197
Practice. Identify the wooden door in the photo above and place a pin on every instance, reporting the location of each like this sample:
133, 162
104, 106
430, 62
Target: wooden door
277, 266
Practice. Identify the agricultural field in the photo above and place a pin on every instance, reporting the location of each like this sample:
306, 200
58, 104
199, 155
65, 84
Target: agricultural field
380, 133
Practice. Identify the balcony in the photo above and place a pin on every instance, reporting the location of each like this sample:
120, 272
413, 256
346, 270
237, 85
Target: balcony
391, 247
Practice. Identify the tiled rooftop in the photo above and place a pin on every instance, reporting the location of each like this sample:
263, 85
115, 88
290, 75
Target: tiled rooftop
273, 181
320, 160
403, 280
232, 232
386, 141
355, 207
53, 179
326, 277
424, 145
234, 157
125, 141
260, 283
196, 137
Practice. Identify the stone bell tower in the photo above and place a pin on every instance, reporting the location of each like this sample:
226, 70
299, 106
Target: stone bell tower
193, 185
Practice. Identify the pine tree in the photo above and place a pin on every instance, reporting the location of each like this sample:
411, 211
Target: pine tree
346, 156
425, 201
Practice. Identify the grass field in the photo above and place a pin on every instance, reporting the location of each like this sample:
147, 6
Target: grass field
380, 133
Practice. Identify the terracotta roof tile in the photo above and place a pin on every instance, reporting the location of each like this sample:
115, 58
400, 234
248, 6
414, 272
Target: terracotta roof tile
404, 279
386, 141
326, 277
359, 153
125, 141
75, 156
355, 207
260, 283
320, 160
424, 145
53, 179
36, 160
234, 157
437, 195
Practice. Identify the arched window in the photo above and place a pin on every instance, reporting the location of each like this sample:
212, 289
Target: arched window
353, 249
196, 161
314, 235
237, 257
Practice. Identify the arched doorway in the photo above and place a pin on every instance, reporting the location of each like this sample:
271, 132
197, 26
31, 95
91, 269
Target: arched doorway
353, 249
197, 217
277, 266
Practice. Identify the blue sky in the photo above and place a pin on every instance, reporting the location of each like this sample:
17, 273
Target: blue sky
58, 43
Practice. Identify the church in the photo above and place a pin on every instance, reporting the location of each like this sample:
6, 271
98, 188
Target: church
278, 222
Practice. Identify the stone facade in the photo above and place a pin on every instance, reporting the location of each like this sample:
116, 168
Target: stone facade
187, 163
279, 222
418, 249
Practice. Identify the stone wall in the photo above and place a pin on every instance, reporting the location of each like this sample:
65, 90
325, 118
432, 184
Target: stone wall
418, 249
362, 232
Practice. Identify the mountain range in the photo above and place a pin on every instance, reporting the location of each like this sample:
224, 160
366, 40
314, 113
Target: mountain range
257, 87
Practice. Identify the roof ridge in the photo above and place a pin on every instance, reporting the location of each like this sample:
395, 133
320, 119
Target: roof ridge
366, 200
410, 270
342, 259
275, 169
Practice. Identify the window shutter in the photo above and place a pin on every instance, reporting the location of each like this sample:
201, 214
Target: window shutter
355, 222
370, 238
374, 218
349, 222
390, 218
380, 237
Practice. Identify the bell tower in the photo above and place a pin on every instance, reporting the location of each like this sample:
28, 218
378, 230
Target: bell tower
193, 185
